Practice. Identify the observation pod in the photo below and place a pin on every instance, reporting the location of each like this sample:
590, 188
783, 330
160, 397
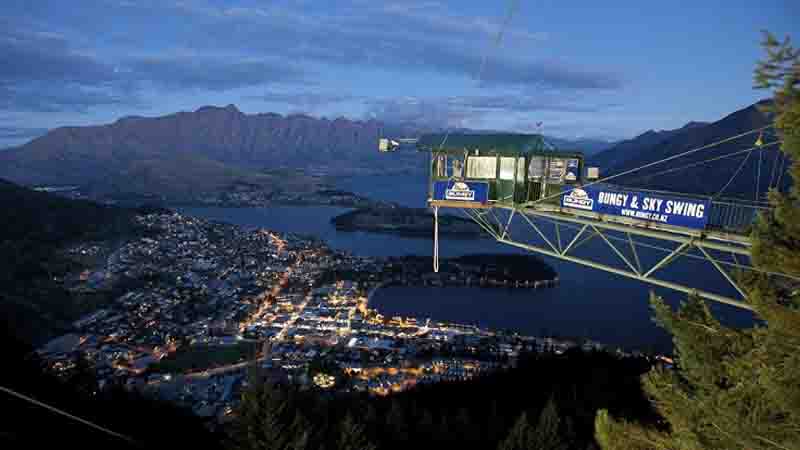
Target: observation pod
486, 170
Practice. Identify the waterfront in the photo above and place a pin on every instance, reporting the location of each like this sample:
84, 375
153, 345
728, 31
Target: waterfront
586, 303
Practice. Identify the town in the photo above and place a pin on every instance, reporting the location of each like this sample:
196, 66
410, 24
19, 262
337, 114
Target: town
208, 304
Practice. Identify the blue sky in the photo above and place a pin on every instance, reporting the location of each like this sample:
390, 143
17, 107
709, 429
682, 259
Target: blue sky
606, 70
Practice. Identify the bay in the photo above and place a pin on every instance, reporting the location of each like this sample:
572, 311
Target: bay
587, 303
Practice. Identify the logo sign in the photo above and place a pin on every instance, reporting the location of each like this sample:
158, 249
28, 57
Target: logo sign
578, 198
603, 199
461, 191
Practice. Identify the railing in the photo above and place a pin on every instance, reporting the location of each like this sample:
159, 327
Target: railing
734, 216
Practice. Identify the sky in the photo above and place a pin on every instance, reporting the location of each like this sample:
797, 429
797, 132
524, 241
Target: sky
584, 69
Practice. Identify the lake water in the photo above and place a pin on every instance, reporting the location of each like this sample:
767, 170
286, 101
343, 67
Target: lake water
586, 303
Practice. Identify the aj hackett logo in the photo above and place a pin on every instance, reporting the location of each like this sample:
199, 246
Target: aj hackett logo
578, 198
460, 191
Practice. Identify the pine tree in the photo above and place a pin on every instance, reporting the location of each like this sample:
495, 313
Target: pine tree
547, 435
352, 435
738, 388
520, 437
261, 424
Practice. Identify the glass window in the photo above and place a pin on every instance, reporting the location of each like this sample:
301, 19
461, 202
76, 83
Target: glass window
484, 167
536, 168
558, 168
520, 170
507, 166
439, 165
455, 167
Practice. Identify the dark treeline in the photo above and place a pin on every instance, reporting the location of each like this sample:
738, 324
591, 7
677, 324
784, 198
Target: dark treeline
548, 402
35, 226
149, 423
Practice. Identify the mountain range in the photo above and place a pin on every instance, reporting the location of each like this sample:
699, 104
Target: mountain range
188, 154
760, 169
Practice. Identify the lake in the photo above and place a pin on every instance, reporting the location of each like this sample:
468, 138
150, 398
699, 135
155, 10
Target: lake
587, 302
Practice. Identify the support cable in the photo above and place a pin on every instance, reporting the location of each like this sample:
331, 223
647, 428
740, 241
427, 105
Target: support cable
66, 414
512, 7
774, 168
781, 171
654, 163
699, 163
758, 176
735, 174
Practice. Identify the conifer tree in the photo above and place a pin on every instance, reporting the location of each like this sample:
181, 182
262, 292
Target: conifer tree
352, 435
520, 437
261, 423
738, 388
547, 435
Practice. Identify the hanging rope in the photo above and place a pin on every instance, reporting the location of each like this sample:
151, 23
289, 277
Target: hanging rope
436, 239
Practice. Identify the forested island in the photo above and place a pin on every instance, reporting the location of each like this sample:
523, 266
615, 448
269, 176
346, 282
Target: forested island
407, 221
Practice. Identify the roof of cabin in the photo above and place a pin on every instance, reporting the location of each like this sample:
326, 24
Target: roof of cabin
505, 143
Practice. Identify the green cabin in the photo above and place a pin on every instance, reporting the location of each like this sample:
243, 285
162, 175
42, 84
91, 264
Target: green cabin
480, 170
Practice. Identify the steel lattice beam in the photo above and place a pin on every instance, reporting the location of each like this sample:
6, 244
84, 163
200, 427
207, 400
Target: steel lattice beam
634, 269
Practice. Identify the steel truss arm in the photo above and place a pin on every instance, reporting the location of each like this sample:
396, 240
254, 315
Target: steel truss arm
634, 269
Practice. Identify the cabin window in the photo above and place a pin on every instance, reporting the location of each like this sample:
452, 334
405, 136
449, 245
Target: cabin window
536, 168
455, 167
507, 166
520, 170
484, 167
439, 166
558, 168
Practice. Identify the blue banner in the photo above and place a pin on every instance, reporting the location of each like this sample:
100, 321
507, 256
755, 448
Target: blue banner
677, 211
461, 191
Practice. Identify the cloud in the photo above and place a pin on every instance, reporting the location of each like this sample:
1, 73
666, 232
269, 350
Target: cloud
20, 132
305, 99
44, 56
424, 113
400, 36
214, 74
469, 111
198, 45
68, 97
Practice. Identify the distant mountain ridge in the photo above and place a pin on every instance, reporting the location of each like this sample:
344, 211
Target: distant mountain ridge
186, 154
626, 149
702, 178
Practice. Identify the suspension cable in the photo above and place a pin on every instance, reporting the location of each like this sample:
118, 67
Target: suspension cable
706, 161
512, 7
758, 176
774, 167
654, 163
735, 174
780, 171
66, 414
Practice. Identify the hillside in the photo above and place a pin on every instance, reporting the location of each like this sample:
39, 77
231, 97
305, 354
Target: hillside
703, 179
36, 225
624, 150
